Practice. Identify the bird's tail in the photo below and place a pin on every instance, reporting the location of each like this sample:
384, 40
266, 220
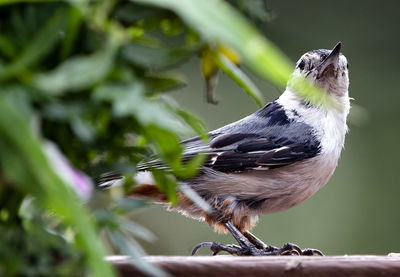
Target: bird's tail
110, 179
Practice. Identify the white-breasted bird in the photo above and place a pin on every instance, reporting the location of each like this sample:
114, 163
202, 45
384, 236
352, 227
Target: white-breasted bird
267, 162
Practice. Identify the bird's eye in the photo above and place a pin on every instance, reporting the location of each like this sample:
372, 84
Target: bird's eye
323, 56
301, 65
347, 66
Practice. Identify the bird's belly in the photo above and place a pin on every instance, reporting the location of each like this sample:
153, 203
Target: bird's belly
297, 184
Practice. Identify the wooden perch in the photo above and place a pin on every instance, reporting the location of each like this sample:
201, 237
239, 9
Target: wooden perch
228, 266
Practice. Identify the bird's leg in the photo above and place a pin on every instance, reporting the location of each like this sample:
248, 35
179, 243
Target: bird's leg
245, 248
250, 245
259, 243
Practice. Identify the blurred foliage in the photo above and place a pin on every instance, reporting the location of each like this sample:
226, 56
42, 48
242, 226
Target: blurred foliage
89, 78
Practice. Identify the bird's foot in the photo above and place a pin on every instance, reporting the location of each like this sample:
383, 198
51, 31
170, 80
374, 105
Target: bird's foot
231, 249
289, 249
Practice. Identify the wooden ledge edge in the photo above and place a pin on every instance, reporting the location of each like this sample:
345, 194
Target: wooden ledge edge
211, 266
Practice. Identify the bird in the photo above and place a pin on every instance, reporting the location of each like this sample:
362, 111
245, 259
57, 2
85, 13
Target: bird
269, 161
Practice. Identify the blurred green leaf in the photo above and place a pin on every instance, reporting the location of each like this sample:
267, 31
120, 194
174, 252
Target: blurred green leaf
8, 2
82, 128
130, 100
230, 69
155, 58
125, 205
74, 114
39, 46
167, 145
171, 26
194, 122
164, 82
166, 185
218, 21
136, 230
24, 163
78, 73
127, 246
74, 21
6, 47
255, 9
195, 197
130, 13
191, 167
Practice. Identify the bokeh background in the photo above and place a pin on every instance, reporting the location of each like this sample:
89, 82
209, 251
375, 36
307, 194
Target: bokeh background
357, 212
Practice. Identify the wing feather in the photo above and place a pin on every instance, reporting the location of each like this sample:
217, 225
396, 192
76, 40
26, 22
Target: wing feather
266, 139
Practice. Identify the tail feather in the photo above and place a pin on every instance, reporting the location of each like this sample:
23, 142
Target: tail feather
110, 179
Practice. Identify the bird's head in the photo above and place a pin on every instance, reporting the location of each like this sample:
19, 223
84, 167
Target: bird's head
328, 69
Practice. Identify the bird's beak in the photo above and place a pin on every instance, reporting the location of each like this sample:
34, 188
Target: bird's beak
332, 59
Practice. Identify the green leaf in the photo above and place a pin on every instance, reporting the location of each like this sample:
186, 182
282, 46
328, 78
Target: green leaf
130, 12
7, 2
217, 21
6, 47
256, 9
167, 145
130, 247
155, 58
191, 168
196, 198
39, 46
130, 100
82, 128
78, 73
164, 82
194, 122
166, 185
240, 78
125, 205
25, 165
73, 23
136, 230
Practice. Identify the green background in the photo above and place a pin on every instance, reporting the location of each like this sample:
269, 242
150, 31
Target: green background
357, 212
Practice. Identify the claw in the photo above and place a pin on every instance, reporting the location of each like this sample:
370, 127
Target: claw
290, 249
311, 252
200, 245
217, 247
293, 249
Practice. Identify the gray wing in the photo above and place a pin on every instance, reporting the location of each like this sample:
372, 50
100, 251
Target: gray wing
263, 140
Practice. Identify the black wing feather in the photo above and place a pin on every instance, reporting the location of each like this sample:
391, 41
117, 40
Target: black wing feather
266, 139
257, 144
228, 139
